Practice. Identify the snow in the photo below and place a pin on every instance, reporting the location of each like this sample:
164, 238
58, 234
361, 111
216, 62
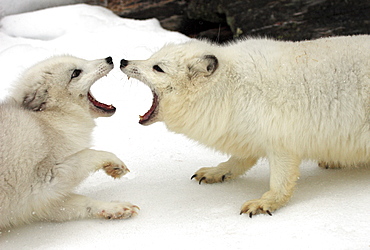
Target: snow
329, 210
8, 7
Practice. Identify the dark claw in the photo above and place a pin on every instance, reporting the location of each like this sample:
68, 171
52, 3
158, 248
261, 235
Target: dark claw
223, 178
269, 213
250, 215
193, 177
201, 179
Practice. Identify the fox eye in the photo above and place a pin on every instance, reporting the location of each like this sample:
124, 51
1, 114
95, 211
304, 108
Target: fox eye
76, 73
157, 68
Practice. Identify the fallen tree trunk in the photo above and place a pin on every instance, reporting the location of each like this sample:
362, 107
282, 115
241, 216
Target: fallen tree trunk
226, 19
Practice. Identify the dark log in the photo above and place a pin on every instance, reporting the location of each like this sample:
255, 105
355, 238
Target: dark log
222, 20
290, 19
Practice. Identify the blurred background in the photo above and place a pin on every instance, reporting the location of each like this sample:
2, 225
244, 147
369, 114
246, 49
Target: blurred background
224, 20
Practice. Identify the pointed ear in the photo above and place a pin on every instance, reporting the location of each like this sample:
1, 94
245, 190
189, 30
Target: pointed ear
205, 66
35, 99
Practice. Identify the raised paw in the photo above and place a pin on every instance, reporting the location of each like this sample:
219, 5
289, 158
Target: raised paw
212, 175
116, 210
116, 170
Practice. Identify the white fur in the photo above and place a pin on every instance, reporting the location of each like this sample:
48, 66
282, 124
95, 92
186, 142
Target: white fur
286, 101
45, 133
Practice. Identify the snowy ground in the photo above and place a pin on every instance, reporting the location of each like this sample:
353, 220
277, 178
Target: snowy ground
330, 208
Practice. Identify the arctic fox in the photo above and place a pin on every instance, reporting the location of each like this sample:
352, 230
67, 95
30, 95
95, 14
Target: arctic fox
286, 101
45, 134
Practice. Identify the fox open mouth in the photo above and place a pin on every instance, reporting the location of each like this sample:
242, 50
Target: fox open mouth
109, 109
151, 112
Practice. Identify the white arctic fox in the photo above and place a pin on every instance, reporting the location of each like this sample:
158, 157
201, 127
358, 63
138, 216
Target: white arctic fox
45, 132
254, 98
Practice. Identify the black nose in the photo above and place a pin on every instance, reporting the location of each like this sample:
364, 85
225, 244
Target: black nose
109, 60
124, 63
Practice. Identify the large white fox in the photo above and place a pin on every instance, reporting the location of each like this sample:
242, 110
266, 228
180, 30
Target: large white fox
287, 101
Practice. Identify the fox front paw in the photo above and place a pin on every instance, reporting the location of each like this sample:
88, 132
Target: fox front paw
116, 170
117, 210
212, 175
258, 206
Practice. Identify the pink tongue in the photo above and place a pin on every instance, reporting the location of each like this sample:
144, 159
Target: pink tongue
102, 106
147, 115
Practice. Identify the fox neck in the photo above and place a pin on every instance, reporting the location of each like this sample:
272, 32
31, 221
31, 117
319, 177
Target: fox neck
197, 117
72, 123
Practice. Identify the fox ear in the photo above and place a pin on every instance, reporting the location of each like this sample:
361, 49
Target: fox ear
205, 66
35, 94
35, 99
